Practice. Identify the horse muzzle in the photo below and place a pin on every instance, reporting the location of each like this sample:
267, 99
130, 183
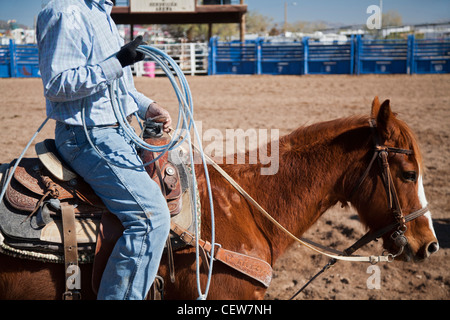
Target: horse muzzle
402, 250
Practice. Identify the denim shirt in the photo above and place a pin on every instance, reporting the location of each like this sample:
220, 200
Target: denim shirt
78, 42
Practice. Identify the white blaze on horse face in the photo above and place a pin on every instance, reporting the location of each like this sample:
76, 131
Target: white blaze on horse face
424, 203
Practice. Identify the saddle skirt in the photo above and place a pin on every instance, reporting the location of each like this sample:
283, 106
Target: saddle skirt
30, 217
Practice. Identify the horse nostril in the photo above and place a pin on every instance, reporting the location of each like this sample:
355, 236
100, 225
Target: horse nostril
432, 247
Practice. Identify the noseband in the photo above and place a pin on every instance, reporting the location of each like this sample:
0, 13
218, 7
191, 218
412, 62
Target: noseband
381, 153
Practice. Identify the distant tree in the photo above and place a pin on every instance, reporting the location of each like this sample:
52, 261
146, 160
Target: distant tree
258, 23
275, 30
306, 26
225, 31
187, 32
391, 19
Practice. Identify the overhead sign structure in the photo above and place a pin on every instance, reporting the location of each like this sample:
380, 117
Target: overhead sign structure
162, 5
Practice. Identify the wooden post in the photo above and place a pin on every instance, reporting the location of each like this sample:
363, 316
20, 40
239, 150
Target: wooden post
242, 26
209, 31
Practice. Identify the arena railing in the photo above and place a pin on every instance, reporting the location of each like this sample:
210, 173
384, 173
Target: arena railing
265, 56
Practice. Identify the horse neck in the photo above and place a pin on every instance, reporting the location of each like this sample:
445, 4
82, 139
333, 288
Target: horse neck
313, 175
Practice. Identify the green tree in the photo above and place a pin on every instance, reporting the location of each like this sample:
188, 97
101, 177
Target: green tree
258, 23
391, 19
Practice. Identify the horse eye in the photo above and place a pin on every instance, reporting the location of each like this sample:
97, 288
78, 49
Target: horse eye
409, 176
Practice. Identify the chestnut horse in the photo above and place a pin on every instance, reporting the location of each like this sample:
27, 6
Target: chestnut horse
319, 166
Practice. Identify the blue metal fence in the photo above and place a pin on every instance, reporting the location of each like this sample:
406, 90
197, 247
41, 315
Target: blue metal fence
356, 56
334, 58
430, 56
382, 56
5, 62
234, 57
260, 56
276, 58
19, 60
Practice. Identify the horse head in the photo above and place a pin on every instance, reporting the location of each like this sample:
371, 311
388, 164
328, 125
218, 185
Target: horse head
392, 193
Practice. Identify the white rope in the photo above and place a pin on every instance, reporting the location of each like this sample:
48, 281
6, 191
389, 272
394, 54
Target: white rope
185, 124
11, 172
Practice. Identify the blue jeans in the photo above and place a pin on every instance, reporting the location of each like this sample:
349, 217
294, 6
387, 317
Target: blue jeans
132, 196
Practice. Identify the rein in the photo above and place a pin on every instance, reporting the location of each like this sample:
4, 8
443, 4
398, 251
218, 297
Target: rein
394, 205
329, 252
398, 236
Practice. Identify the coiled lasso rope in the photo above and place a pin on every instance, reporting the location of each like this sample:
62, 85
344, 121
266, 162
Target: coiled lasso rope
185, 124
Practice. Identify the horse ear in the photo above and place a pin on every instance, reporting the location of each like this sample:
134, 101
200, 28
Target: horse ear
385, 120
375, 107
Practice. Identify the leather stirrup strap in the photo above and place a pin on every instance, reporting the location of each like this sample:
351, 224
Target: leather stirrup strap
255, 268
170, 259
71, 269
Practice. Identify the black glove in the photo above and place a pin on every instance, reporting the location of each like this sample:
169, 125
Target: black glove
128, 54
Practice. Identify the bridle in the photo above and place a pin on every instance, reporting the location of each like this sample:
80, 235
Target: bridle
381, 153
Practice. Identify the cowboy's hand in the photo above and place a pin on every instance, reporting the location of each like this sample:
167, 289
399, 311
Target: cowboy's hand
128, 55
156, 111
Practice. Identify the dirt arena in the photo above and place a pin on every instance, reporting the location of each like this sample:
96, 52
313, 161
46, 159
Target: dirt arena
285, 103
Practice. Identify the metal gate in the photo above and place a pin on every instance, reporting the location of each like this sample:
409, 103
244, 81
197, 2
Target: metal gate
232, 57
19, 60
430, 56
192, 58
333, 58
381, 56
280, 58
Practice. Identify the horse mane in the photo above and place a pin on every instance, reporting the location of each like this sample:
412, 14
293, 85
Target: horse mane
307, 136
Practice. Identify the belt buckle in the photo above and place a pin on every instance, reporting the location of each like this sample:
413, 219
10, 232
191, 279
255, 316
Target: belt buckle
71, 295
185, 235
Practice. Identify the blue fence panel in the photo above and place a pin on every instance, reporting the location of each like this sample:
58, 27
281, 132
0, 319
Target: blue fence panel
382, 56
330, 58
27, 61
281, 58
5, 67
430, 56
19, 60
233, 57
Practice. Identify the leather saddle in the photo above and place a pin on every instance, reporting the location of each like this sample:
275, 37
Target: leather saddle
32, 216
51, 214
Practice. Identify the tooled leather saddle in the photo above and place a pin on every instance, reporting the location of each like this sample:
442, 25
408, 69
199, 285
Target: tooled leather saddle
51, 214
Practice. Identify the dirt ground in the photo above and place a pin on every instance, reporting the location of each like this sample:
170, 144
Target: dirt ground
285, 103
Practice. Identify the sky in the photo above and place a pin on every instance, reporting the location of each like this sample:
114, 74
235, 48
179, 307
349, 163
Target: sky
350, 12
346, 12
